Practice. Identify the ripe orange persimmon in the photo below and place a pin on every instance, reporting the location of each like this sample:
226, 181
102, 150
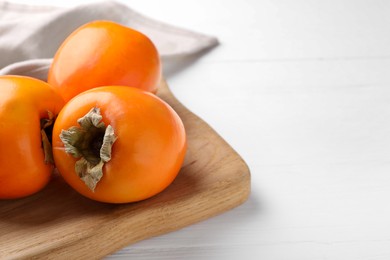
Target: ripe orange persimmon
27, 107
118, 144
103, 53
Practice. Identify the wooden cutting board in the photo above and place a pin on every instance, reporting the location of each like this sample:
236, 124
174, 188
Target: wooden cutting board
58, 223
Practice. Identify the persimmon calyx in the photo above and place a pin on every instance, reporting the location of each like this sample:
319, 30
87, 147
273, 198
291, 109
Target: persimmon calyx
47, 123
91, 142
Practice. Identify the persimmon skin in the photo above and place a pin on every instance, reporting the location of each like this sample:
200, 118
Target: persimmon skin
23, 102
147, 154
103, 53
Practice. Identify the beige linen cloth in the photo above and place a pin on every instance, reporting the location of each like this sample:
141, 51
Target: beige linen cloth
30, 35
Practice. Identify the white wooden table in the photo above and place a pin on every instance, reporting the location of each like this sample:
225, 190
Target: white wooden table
301, 89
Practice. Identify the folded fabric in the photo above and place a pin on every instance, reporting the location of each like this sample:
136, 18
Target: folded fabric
30, 35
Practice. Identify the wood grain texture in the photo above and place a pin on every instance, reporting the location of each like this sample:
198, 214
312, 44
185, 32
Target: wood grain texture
59, 223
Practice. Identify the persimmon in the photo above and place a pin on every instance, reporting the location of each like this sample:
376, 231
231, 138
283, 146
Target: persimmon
27, 109
102, 53
118, 144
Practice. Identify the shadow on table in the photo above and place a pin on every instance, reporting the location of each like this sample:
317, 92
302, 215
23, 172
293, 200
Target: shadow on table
175, 64
207, 238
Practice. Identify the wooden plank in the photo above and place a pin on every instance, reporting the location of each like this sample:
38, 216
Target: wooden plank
59, 223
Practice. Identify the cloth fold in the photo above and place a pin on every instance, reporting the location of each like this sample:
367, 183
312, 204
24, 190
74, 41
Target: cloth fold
30, 35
